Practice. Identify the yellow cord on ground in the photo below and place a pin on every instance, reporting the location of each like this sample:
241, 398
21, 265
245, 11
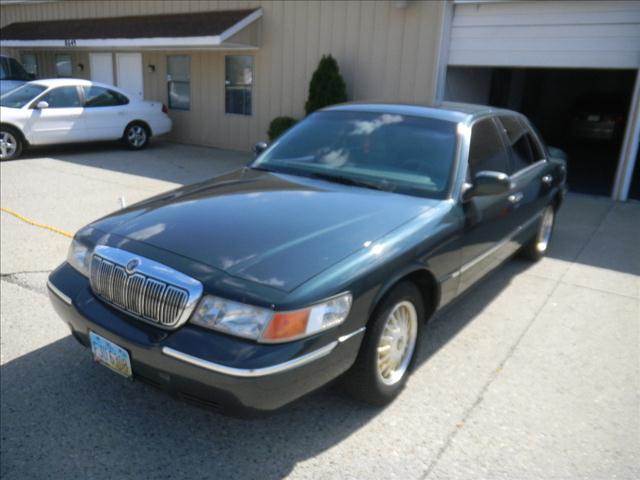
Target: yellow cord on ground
36, 224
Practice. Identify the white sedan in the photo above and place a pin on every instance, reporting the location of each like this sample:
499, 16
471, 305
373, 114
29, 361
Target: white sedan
67, 110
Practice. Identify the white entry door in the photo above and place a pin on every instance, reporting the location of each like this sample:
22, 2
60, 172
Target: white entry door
129, 73
101, 65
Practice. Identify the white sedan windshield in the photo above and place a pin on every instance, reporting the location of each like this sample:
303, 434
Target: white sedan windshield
19, 97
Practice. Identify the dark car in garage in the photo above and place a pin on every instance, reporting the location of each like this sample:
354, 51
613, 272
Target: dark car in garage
598, 117
322, 258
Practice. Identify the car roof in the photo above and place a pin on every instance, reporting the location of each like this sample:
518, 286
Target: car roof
61, 82
57, 82
449, 111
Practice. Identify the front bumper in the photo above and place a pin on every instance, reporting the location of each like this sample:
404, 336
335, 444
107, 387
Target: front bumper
205, 367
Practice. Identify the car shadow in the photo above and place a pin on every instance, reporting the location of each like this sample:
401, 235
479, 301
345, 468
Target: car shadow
74, 149
86, 422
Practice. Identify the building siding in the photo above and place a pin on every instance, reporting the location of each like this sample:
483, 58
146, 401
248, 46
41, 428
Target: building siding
384, 52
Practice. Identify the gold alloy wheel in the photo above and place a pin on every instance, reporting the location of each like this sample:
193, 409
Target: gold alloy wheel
397, 343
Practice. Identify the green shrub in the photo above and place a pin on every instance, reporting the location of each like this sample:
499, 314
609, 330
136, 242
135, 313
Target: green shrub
279, 125
327, 86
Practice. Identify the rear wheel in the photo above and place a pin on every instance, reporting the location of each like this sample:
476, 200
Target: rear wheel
537, 247
136, 136
10, 144
389, 348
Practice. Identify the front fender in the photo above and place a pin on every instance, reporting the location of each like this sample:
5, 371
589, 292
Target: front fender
418, 274
17, 129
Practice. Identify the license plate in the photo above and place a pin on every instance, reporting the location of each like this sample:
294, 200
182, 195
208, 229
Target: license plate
593, 118
110, 355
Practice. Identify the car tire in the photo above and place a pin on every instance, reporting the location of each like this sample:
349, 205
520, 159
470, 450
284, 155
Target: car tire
372, 379
11, 143
537, 247
136, 136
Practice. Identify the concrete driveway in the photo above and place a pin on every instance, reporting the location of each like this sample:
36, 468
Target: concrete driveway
534, 374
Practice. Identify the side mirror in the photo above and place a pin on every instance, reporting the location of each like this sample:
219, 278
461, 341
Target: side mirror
259, 147
488, 183
42, 105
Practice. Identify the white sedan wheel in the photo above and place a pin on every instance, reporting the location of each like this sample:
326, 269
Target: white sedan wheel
136, 136
8, 145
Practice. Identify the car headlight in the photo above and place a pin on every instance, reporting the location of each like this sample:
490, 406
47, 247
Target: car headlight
79, 257
232, 317
266, 325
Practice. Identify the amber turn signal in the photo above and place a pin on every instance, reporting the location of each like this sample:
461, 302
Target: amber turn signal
287, 325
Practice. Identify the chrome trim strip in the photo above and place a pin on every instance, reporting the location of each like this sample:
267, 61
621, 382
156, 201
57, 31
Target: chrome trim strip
346, 337
492, 250
471, 263
498, 245
251, 372
58, 293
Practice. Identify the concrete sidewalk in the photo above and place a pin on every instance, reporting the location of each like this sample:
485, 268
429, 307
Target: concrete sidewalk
533, 374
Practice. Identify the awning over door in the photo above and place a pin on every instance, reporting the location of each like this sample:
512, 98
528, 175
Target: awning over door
202, 30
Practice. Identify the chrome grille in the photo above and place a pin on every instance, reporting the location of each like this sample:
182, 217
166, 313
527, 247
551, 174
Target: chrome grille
151, 299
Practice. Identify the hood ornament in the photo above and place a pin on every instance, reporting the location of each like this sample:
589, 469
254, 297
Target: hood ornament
132, 265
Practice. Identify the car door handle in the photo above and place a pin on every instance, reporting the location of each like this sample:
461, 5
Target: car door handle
515, 197
547, 179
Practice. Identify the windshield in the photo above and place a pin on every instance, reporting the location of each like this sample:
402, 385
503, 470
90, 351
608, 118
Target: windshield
400, 153
10, 69
22, 95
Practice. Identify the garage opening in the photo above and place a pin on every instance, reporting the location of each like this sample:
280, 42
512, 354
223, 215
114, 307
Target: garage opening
583, 112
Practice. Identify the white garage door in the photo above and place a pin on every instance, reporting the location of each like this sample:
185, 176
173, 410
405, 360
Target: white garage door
587, 34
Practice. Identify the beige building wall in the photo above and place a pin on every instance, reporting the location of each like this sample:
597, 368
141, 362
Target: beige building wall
386, 50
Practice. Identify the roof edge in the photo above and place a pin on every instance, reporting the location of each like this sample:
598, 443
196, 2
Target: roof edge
198, 41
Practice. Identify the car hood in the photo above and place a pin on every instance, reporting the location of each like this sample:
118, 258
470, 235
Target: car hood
274, 229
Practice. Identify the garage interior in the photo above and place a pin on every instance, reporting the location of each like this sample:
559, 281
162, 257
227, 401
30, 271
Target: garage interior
583, 112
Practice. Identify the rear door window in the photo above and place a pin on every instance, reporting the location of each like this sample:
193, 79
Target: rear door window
102, 97
524, 149
537, 145
487, 151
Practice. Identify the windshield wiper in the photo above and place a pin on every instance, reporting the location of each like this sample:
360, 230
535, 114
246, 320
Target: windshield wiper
262, 169
383, 185
280, 169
